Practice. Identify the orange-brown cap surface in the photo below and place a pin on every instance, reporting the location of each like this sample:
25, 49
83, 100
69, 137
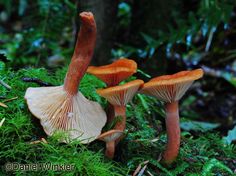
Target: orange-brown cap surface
170, 88
114, 73
111, 135
122, 94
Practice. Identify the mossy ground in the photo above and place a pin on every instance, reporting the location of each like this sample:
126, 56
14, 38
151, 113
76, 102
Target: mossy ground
202, 154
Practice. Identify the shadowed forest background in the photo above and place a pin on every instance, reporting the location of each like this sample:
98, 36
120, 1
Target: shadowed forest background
163, 37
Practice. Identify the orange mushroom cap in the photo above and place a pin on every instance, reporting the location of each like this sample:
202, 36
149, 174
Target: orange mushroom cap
111, 135
114, 73
170, 88
121, 94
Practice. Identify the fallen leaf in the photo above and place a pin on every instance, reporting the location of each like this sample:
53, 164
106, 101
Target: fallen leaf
198, 126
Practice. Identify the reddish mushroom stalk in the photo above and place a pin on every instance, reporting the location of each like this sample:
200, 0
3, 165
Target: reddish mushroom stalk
110, 149
120, 111
82, 54
173, 132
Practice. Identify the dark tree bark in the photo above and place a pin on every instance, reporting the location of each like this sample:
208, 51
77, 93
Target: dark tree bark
105, 12
149, 17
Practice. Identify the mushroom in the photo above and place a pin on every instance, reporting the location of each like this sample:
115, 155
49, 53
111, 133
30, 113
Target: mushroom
64, 108
112, 75
119, 96
170, 89
109, 137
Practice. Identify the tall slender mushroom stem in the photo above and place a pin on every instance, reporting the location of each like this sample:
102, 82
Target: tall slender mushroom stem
173, 132
120, 111
82, 54
110, 149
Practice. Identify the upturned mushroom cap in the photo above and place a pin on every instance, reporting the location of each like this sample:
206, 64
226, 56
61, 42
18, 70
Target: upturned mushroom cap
111, 135
58, 110
121, 94
171, 88
63, 108
114, 73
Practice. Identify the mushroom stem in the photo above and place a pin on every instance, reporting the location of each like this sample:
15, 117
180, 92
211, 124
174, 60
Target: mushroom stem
110, 149
82, 54
120, 111
110, 113
173, 132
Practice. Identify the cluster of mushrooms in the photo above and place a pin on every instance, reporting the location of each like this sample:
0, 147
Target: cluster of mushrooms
64, 108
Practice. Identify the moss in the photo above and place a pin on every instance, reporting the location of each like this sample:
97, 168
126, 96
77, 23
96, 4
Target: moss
205, 154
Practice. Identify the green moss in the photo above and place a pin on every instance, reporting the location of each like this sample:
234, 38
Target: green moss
204, 154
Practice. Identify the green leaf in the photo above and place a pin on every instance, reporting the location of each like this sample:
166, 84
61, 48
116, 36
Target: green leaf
2, 66
231, 136
198, 126
214, 163
230, 78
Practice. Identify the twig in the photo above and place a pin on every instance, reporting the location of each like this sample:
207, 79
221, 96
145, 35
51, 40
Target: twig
39, 141
149, 173
37, 81
211, 72
5, 84
3, 105
2, 121
209, 40
7, 100
35, 142
44, 140
142, 171
137, 170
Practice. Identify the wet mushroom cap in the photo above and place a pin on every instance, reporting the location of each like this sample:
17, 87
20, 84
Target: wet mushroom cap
114, 73
170, 88
121, 94
111, 135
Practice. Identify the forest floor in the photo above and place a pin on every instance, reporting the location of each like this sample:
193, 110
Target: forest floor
202, 153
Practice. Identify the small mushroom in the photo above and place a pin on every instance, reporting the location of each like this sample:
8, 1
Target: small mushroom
119, 96
170, 89
63, 107
109, 137
112, 75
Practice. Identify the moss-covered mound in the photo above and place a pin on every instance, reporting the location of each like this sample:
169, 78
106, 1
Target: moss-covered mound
202, 154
